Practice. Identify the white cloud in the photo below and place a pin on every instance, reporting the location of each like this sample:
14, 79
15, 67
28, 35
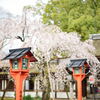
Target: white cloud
15, 6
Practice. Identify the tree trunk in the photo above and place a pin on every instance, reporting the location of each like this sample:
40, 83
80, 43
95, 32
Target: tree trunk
36, 90
46, 91
67, 90
46, 95
4, 91
71, 91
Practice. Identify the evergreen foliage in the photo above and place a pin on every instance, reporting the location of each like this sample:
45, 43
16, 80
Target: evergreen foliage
74, 15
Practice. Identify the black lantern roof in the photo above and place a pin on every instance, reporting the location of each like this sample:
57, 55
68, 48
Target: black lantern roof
17, 53
77, 62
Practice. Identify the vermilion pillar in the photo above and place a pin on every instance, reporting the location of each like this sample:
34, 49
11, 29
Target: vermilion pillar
19, 78
79, 78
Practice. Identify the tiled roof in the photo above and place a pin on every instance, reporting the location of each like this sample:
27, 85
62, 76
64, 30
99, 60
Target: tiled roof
95, 36
77, 62
17, 53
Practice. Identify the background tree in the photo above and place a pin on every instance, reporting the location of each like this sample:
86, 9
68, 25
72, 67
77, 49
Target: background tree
52, 43
13, 32
80, 16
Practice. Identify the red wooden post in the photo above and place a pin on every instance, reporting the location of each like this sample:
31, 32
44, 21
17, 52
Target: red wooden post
79, 78
19, 78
